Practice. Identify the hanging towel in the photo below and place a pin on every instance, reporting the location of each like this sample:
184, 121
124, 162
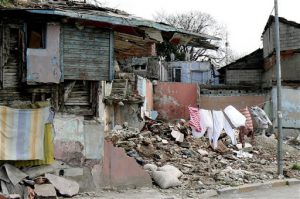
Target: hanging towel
236, 118
230, 131
195, 118
22, 133
218, 121
249, 122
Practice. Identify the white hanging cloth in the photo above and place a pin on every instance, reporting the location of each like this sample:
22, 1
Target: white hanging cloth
206, 123
237, 119
218, 118
220, 123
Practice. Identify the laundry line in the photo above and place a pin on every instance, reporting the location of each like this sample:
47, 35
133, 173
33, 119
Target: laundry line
215, 121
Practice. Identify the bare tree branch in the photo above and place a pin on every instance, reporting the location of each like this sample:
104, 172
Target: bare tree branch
198, 22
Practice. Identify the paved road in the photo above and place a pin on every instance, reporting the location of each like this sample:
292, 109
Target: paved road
289, 192
285, 192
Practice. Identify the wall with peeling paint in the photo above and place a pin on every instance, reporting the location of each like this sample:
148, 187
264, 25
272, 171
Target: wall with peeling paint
77, 140
290, 106
43, 65
171, 99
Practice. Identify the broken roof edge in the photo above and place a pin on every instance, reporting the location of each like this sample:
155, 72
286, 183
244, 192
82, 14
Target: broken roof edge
281, 20
258, 51
120, 20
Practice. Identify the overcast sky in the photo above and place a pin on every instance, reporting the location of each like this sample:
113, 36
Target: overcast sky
244, 19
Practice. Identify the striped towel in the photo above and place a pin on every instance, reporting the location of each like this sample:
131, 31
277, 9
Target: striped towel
22, 133
195, 118
249, 122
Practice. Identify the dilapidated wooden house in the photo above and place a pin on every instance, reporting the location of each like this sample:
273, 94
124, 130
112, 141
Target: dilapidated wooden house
64, 52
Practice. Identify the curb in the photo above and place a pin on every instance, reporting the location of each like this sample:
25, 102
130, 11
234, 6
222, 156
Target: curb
258, 186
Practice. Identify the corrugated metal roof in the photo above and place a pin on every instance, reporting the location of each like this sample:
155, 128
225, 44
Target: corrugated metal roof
110, 16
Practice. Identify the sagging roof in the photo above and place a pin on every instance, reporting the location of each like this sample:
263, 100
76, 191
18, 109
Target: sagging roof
253, 60
115, 18
281, 20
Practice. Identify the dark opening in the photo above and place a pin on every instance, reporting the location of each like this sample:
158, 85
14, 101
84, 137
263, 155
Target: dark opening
36, 35
139, 67
177, 77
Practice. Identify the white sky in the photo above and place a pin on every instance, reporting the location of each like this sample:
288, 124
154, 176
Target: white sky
244, 19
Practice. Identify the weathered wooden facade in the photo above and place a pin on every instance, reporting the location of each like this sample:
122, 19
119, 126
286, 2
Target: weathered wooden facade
290, 52
62, 52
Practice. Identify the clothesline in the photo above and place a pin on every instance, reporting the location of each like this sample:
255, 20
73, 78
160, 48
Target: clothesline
198, 106
214, 122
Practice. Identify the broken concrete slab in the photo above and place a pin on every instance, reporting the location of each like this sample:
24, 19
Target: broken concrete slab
44, 191
14, 174
34, 172
4, 189
63, 186
70, 172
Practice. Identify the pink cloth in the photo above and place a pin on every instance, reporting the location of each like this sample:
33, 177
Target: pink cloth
246, 113
195, 118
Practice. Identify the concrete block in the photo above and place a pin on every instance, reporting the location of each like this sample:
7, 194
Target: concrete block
279, 183
293, 181
45, 191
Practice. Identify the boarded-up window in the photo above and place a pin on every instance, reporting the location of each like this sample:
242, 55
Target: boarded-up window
36, 35
86, 53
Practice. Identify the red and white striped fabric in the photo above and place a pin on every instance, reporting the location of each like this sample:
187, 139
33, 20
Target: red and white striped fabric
195, 118
249, 122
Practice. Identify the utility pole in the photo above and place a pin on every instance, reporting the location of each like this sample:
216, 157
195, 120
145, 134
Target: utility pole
278, 74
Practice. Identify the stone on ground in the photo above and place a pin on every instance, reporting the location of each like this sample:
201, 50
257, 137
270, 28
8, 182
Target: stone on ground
63, 186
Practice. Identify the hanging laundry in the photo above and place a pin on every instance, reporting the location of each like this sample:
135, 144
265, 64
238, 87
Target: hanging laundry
230, 131
236, 118
197, 134
246, 130
218, 121
206, 123
260, 117
206, 120
247, 114
195, 118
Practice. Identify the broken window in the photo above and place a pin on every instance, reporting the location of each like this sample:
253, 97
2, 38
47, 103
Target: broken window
36, 35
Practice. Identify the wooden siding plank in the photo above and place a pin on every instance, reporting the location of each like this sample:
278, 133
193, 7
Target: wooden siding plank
86, 53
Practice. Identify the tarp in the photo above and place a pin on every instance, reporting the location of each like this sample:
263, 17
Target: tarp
22, 133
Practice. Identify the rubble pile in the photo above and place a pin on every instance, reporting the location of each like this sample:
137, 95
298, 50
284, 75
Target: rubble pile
35, 182
159, 144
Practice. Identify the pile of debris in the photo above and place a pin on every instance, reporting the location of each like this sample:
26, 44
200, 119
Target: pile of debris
203, 168
35, 182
